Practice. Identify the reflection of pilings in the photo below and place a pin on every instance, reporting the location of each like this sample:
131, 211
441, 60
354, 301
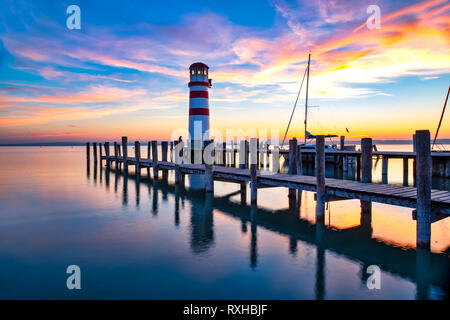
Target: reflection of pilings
320, 262
125, 188
422, 271
155, 198
107, 177
101, 174
293, 245
137, 182
95, 172
253, 236
177, 205
88, 169
202, 233
366, 250
116, 180
243, 193
366, 217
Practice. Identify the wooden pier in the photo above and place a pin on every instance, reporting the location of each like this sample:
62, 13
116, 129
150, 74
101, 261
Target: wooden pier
431, 205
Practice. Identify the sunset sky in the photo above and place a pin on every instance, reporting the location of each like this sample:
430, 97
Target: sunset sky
126, 71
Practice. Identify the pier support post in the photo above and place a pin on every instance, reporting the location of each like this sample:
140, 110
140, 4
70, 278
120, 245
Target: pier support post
164, 150
116, 153
155, 159
423, 157
137, 155
94, 149
320, 178
299, 160
243, 154
149, 148
342, 143
125, 153
263, 150
384, 169
88, 152
345, 164
366, 160
358, 168
292, 169
100, 151
253, 169
405, 171
208, 158
224, 154
107, 153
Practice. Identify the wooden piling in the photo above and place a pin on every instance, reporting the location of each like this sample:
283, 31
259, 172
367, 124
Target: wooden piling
94, 149
155, 158
423, 158
384, 169
88, 152
253, 170
100, 152
164, 150
263, 150
149, 149
107, 154
342, 146
366, 160
137, 155
125, 152
320, 178
243, 154
116, 153
292, 169
208, 157
358, 168
405, 171
224, 154
299, 160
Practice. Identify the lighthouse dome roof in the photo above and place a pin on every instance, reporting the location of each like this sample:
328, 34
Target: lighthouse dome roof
198, 64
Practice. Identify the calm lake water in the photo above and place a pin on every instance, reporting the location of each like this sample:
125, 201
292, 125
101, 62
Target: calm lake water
135, 238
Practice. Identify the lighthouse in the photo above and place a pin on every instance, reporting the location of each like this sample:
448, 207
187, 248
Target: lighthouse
198, 103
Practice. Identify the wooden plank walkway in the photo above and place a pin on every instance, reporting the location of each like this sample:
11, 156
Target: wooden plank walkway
383, 193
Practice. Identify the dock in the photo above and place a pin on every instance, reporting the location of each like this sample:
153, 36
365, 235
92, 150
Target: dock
430, 205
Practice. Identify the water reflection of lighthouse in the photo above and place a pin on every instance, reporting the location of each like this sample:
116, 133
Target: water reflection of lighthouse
198, 112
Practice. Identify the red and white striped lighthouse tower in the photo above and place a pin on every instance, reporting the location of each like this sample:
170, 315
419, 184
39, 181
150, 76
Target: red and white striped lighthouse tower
198, 103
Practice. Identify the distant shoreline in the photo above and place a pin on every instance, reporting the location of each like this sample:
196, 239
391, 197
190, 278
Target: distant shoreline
77, 144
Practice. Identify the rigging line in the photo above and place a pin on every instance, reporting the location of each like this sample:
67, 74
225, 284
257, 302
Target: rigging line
440, 121
295, 105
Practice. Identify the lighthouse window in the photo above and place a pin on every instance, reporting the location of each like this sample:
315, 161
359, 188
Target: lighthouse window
199, 71
192, 71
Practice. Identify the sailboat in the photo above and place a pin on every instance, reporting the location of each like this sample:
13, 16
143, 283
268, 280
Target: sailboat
308, 135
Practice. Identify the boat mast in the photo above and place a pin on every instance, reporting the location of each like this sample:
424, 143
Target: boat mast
440, 121
306, 103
